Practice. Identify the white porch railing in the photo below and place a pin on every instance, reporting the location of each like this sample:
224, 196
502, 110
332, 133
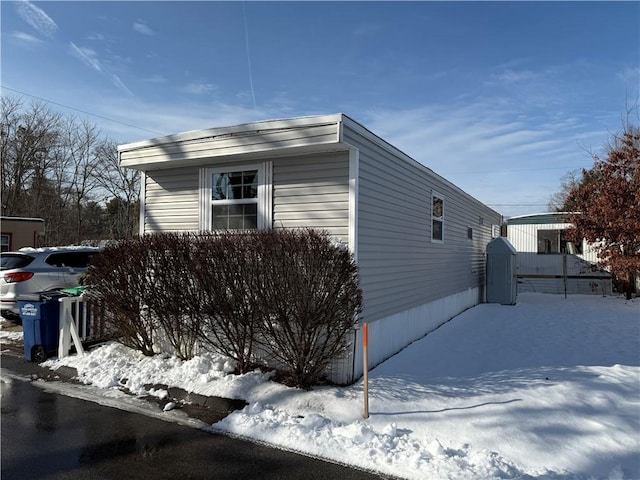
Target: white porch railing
77, 324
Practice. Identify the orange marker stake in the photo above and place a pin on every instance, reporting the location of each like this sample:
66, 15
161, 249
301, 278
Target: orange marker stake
365, 367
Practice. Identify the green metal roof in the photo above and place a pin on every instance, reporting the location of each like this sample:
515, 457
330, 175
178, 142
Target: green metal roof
540, 218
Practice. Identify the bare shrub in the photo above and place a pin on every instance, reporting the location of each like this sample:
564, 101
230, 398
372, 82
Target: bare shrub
310, 298
225, 268
293, 293
119, 279
175, 300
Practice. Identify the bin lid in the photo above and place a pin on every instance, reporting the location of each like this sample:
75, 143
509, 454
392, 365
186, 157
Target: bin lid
29, 297
53, 295
77, 291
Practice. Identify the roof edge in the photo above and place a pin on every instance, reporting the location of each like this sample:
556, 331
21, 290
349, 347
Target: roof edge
541, 218
249, 127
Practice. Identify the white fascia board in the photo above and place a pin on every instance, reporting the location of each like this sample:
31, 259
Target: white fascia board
143, 197
354, 173
245, 128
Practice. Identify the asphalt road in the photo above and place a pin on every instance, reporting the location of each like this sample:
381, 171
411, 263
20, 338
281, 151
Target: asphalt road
53, 436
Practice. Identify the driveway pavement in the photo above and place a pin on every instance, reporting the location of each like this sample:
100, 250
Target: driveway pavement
46, 434
53, 436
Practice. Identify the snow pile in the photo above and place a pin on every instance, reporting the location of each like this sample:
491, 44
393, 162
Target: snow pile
548, 388
10, 337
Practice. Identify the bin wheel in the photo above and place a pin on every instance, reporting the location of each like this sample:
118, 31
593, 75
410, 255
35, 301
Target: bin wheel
38, 354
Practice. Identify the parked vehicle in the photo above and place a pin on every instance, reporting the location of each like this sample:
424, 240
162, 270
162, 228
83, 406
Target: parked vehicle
32, 270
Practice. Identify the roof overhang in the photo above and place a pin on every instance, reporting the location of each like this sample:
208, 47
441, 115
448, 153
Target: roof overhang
250, 141
541, 218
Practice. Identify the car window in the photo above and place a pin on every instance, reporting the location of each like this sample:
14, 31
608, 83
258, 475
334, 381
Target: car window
9, 261
70, 259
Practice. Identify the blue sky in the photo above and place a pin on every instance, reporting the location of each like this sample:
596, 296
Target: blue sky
501, 98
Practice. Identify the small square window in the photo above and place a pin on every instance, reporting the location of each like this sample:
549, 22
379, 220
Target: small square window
236, 199
234, 185
235, 217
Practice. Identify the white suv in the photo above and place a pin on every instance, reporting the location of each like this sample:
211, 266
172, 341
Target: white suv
33, 270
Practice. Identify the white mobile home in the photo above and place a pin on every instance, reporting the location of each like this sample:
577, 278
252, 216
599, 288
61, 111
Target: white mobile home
548, 262
418, 239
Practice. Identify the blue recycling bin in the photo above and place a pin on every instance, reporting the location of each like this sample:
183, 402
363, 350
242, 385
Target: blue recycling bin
40, 315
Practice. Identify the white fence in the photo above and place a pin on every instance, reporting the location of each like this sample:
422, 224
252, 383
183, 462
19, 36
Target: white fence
79, 322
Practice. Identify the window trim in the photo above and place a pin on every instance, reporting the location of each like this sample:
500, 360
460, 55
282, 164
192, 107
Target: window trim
264, 199
560, 242
7, 244
441, 219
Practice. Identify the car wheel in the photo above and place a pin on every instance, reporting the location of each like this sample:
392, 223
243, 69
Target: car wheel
38, 354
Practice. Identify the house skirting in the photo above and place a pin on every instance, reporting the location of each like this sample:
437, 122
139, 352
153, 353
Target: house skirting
389, 335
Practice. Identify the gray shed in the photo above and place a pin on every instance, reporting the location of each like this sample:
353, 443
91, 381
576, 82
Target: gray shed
502, 282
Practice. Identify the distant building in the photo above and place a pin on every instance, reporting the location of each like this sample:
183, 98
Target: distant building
548, 262
18, 232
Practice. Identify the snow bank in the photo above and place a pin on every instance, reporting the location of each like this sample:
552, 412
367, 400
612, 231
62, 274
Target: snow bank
548, 388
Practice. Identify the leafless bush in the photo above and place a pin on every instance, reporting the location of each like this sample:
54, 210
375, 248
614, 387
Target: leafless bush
293, 293
310, 298
225, 269
120, 279
175, 300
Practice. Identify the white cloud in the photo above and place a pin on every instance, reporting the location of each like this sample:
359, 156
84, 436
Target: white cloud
199, 88
631, 77
90, 58
365, 29
26, 39
500, 155
512, 76
629, 73
155, 79
87, 56
118, 83
37, 18
98, 37
168, 118
143, 28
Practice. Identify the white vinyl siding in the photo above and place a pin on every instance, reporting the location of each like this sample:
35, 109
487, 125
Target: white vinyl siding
313, 192
400, 268
171, 200
524, 239
539, 272
310, 191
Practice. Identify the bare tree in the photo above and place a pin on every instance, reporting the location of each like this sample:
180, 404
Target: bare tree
83, 139
558, 201
123, 185
28, 137
62, 169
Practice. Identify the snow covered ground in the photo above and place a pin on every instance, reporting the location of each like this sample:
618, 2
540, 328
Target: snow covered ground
548, 388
